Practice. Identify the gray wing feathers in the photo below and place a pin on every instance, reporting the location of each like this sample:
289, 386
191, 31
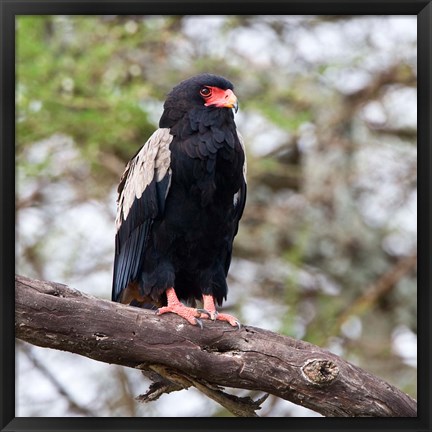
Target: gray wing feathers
152, 161
142, 192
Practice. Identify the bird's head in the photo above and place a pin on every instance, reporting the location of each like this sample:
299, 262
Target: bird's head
205, 91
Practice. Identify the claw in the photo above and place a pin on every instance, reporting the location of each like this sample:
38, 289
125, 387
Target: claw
238, 324
199, 323
205, 312
210, 315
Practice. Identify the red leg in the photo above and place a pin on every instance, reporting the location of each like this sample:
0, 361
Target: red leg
177, 307
209, 306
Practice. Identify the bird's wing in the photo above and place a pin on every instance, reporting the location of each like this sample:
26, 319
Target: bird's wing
141, 199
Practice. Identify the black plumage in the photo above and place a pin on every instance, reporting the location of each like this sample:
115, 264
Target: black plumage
181, 198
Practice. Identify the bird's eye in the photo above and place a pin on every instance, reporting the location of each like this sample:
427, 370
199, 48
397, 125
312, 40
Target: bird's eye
205, 92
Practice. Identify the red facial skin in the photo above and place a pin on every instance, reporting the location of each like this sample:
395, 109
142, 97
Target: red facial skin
217, 97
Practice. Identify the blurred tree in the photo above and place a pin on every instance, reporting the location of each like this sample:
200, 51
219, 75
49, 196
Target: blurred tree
327, 244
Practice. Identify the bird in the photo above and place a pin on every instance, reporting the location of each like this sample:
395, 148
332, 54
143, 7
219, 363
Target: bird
179, 203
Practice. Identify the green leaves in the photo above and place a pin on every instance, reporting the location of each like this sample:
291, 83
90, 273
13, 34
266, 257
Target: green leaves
74, 81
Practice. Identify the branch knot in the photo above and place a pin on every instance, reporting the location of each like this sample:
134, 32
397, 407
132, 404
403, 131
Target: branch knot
320, 371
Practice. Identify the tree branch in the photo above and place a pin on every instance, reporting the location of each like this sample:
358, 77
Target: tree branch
382, 286
52, 315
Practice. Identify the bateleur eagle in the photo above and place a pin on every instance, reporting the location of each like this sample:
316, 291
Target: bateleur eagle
179, 203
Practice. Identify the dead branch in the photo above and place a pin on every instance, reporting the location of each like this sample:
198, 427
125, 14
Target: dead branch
52, 315
380, 288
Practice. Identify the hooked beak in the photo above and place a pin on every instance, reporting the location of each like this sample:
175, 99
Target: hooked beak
235, 106
231, 100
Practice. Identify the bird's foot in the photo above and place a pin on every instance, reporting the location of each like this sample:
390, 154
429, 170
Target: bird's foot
209, 312
175, 306
226, 317
189, 314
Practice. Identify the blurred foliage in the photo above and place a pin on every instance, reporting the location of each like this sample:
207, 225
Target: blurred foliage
326, 248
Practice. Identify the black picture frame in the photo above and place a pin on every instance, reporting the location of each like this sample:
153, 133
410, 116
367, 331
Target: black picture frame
9, 9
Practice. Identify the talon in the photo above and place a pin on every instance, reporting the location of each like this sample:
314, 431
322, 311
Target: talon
199, 323
238, 324
204, 312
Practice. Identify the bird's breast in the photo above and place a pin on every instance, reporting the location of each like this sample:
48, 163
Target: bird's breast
209, 165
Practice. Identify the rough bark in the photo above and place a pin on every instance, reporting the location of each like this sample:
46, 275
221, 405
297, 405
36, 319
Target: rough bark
52, 315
